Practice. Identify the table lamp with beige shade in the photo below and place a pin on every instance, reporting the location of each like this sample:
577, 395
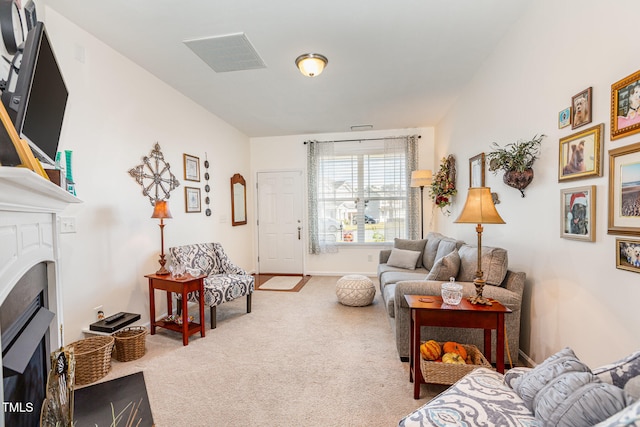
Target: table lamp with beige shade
479, 209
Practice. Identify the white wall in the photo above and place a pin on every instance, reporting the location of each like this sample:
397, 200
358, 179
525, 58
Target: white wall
575, 295
289, 153
115, 114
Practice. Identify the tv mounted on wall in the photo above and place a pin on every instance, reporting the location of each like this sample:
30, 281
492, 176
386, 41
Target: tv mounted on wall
36, 95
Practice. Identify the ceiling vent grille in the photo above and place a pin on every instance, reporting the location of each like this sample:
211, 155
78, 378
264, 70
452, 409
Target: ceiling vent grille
232, 52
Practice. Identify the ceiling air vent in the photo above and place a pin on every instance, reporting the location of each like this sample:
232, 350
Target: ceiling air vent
232, 52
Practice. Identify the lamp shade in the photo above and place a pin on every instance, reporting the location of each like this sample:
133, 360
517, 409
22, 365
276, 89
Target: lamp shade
479, 208
311, 64
161, 210
421, 178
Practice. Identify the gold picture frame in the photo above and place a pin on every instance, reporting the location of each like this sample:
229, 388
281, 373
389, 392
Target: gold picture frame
578, 213
628, 255
476, 170
191, 168
624, 190
192, 201
580, 154
625, 117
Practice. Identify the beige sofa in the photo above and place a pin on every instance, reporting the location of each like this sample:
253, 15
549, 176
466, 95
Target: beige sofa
442, 257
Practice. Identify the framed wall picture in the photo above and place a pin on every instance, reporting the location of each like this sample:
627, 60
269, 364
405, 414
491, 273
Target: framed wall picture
191, 168
580, 154
625, 106
581, 108
476, 170
628, 255
578, 213
624, 190
192, 199
564, 118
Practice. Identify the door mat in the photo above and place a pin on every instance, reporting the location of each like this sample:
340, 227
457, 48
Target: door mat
125, 396
280, 283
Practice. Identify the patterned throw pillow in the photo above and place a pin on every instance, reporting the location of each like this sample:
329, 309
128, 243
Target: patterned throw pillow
624, 373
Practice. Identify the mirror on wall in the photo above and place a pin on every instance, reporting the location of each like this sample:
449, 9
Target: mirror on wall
238, 200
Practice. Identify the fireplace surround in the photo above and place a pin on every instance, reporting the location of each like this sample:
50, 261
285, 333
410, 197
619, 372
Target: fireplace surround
29, 239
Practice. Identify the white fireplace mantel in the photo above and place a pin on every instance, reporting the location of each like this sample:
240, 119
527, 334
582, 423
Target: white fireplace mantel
29, 206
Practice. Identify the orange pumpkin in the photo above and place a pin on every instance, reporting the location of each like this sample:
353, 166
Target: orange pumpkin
430, 350
454, 347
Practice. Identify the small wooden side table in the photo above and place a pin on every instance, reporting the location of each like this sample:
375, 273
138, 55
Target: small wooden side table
431, 311
182, 286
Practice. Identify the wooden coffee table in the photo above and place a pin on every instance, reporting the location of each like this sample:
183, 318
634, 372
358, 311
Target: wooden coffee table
431, 311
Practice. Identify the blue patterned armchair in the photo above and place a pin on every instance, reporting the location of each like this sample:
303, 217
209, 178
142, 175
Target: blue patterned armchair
225, 281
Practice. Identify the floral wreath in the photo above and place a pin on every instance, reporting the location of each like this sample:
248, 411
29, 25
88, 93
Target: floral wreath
443, 187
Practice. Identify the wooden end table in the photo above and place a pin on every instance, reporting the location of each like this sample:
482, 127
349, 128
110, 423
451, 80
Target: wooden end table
431, 311
182, 286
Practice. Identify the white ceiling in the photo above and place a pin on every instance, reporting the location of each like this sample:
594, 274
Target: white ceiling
393, 64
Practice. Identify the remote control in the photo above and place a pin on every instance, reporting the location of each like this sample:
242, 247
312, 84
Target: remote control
113, 318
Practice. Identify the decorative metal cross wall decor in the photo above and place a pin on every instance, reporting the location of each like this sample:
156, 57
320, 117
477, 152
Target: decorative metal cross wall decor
154, 176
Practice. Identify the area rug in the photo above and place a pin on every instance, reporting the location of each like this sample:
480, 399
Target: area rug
124, 399
281, 283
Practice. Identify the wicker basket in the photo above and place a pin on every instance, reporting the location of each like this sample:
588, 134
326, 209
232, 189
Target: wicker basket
449, 373
130, 343
93, 358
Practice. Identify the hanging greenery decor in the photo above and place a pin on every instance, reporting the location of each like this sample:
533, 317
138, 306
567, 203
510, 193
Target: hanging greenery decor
443, 187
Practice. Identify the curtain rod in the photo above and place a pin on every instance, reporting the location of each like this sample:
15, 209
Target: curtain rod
362, 139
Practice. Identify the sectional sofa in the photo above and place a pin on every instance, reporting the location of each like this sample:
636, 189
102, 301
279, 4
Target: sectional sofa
401, 272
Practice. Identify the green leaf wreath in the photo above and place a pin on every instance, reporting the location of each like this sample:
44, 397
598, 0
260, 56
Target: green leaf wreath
443, 187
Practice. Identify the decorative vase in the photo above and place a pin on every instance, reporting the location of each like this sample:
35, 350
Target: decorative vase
71, 185
518, 180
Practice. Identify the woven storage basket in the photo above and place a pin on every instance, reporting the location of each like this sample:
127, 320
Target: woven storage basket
130, 343
449, 373
93, 358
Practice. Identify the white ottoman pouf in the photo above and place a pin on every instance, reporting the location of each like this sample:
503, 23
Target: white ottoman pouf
355, 290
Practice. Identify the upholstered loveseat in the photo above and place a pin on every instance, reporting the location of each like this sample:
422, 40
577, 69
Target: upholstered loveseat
225, 281
561, 391
440, 258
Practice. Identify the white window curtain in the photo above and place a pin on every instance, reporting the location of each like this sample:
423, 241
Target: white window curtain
359, 192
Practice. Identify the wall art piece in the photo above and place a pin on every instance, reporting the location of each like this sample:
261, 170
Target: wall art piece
238, 200
191, 168
476, 170
192, 199
578, 213
628, 255
564, 118
580, 154
625, 105
624, 190
581, 108
154, 176
207, 188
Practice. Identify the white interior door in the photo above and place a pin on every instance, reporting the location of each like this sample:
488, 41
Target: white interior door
280, 234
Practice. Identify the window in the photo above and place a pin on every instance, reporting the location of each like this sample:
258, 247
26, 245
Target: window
360, 193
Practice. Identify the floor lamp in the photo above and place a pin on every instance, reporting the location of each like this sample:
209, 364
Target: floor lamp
479, 209
161, 210
421, 178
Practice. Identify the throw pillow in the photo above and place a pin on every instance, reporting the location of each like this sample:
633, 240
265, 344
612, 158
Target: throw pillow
494, 264
445, 247
624, 373
430, 249
403, 258
411, 245
445, 267
562, 391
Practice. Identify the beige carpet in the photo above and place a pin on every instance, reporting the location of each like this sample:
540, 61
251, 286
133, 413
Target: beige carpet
281, 283
298, 359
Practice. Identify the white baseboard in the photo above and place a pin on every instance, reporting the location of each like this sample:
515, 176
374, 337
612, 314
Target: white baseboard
527, 359
338, 274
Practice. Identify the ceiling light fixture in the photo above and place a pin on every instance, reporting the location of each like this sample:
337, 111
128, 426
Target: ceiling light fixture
311, 64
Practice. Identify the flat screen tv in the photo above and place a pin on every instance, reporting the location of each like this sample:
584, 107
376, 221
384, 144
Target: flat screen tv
36, 95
